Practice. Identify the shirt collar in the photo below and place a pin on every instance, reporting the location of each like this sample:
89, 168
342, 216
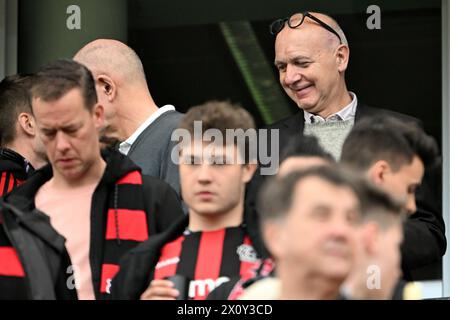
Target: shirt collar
346, 113
125, 146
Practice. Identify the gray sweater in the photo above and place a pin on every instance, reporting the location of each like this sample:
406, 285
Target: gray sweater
331, 135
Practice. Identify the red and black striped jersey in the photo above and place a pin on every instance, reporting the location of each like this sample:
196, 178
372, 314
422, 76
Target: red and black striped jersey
12, 274
208, 259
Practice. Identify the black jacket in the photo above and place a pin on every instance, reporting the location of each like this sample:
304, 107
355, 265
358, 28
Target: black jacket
42, 254
161, 203
14, 170
137, 267
424, 231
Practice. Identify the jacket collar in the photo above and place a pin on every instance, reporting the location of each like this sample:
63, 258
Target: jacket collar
13, 162
117, 165
250, 221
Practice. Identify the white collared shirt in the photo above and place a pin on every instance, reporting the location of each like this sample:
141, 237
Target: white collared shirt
125, 146
347, 113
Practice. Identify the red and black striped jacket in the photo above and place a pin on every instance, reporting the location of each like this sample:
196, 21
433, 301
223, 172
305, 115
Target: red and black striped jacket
207, 259
126, 209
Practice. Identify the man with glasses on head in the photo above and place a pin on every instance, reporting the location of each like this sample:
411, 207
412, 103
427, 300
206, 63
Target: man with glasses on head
312, 55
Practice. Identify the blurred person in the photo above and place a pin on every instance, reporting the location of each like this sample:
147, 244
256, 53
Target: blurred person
302, 153
377, 267
308, 221
394, 155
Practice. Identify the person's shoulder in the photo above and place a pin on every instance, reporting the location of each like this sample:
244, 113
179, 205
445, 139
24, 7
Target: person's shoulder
146, 179
265, 289
23, 195
157, 185
223, 291
292, 120
171, 116
148, 247
156, 242
157, 136
364, 110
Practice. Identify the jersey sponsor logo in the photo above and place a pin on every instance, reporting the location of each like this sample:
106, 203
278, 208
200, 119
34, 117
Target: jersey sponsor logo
168, 262
201, 288
247, 253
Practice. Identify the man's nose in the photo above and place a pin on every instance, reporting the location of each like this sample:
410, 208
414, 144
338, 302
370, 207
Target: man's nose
204, 174
62, 142
292, 75
342, 228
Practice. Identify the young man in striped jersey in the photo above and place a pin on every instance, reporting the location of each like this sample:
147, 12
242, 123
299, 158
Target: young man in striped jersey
219, 239
101, 203
21, 148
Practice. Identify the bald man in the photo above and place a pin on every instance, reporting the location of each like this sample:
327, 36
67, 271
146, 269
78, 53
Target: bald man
131, 116
312, 55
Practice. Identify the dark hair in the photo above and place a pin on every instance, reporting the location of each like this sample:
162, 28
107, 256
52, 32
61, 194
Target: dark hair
222, 115
377, 205
14, 99
276, 196
305, 146
59, 77
387, 138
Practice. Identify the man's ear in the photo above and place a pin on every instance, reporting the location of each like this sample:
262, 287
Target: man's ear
377, 172
106, 86
369, 237
98, 113
342, 57
27, 123
272, 236
249, 170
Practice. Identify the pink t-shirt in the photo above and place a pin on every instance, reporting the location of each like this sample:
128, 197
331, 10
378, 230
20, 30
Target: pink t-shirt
70, 215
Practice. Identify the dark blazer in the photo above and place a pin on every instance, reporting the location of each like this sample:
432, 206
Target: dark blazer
424, 232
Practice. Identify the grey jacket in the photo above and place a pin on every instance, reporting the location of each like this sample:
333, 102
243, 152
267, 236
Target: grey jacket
152, 149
